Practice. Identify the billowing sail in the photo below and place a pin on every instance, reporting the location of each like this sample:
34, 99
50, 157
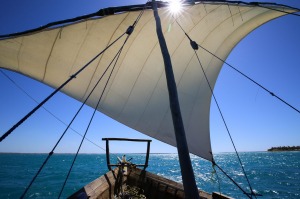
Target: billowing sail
137, 94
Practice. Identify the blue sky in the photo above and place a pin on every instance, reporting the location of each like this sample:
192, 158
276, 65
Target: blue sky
256, 120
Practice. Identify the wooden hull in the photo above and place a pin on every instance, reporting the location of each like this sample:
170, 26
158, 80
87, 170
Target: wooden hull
151, 185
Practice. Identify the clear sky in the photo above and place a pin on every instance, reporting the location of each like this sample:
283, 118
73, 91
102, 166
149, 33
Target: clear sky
256, 120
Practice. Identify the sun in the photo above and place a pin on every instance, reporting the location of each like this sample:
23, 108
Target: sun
175, 6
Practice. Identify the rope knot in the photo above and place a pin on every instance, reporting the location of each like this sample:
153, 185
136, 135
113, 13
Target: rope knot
129, 30
194, 45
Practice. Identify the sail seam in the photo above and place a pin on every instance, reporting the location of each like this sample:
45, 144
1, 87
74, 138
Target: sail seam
81, 44
50, 53
97, 66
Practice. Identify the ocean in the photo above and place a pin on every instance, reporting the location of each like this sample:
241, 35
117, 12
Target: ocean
272, 174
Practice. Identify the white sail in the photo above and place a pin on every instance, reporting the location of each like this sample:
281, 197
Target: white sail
137, 94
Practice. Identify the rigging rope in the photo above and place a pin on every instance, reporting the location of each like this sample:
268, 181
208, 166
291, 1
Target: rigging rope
247, 194
218, 179
52, 151
129, 31
255, 82
215, 99
56, 90
117, 56
26, 93
194, 45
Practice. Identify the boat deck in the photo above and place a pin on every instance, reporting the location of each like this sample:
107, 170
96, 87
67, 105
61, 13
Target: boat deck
149, 184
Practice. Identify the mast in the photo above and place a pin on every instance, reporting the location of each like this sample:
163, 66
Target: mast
187, 173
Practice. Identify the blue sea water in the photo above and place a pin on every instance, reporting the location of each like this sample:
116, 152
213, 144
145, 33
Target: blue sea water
272, 174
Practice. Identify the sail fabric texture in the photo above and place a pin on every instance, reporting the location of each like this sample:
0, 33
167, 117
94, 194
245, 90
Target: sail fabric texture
137, 94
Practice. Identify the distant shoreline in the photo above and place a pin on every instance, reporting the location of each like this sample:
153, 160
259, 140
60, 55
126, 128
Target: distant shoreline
285, 148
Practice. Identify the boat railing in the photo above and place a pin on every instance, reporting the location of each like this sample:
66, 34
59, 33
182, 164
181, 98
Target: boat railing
109, 165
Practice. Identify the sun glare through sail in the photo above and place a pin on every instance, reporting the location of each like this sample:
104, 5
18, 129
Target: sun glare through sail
175, 6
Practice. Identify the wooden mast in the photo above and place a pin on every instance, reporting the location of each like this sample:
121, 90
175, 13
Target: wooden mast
187, 173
